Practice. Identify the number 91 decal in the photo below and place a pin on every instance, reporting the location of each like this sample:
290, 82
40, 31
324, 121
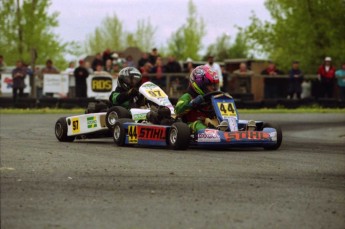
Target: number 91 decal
226, 109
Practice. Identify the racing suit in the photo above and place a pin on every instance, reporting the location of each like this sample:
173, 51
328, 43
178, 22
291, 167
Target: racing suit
186, 109
127, 99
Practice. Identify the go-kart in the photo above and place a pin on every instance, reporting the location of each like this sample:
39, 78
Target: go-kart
225, 129
100, 119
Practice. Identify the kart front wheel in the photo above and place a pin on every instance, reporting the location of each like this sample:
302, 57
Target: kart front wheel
119, 132
279, 136
61, 131
115, 113
179, 136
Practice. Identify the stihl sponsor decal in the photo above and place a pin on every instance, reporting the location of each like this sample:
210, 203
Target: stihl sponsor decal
151, 133
250, 135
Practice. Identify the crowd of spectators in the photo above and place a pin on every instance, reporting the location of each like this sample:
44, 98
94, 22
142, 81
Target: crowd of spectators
154, 67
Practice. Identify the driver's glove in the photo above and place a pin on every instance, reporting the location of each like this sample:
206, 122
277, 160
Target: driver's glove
133, 92
197, 101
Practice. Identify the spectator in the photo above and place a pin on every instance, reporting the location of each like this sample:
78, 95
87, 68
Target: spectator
129, 61
189, 67
98, 60
115, 71
340, 75
215, 67
159, 70
242, 76
108, 66
2, 64
153, 56
48, 69
106, 55
271, 88
173, 66
100, 71
18, 76
145, 70
115, 58
295, 81
143, 60
70, 72
81, 74
87, 65
326, 74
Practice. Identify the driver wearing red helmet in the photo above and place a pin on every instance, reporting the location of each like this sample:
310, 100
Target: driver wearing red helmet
202, 80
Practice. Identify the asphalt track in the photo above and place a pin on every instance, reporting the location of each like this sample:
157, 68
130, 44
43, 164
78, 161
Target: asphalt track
95, 184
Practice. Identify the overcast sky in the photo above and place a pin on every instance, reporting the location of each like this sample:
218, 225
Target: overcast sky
78, 18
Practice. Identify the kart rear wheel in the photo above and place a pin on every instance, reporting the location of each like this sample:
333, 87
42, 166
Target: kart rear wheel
115, 113
279, 136
119, 133
179, 136
61, 131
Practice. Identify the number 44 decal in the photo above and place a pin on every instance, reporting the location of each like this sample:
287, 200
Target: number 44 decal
226, 109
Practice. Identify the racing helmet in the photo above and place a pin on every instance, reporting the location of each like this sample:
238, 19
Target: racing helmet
201, 77
129, 77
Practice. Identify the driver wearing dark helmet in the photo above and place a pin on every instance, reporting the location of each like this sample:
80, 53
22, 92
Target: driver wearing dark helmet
202, 80
126, 93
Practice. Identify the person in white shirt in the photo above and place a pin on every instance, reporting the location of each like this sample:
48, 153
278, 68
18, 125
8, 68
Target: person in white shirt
70, 72
216, 67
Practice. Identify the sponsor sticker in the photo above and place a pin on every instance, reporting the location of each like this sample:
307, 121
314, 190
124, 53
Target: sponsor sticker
91, 122
152, 133
101, 84
209, 136
139, 116
246, 135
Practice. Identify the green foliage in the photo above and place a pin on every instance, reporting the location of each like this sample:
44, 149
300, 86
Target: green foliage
26, 32
110, 34
187, 40
223, 48
304, 30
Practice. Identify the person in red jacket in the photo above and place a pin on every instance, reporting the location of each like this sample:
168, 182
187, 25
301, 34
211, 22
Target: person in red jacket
326, 75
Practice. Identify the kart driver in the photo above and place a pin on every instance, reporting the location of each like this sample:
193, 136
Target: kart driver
126, 93
202, 80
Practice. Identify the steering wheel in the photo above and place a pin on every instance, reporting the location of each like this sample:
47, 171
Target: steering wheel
207, 101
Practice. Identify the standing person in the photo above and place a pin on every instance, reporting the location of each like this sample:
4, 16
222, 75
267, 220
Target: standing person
108, 67
143, 60
2, 64
326, 75
243, 75
271, 88
48, 69
18, 76
295, 81
81, 74
98, 60
340, 75
173, 66
159, 70
153, 56
216, 67
71, 82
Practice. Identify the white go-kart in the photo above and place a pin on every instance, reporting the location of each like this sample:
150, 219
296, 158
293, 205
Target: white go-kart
100, 124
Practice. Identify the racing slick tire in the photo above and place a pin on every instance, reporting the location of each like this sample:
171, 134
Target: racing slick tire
61, 131
279, 136
119, 133
179, 136
115, 113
